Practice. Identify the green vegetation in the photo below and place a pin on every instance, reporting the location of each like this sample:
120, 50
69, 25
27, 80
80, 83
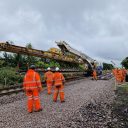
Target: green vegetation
120, 107
125, 63
8, 77
122, 89
12, 63
45, 65
107, 66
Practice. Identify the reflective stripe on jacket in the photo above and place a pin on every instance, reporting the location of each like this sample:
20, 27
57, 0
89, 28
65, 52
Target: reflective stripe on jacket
119, 74
48, 76
31, 80
58, 78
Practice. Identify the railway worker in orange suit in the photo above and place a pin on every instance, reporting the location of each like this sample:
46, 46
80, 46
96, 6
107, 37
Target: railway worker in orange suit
48, 76
59, 81
114, 72
119, 76
32, 87
124, 72
94, 74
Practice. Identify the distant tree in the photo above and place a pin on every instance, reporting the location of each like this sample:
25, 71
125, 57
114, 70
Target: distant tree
40, 64
107, 66
8, 59
30, 59
13, 60
125, 63
29, 45
1, 63
18, 60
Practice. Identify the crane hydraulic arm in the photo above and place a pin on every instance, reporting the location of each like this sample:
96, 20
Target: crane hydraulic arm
7, 47
66, 48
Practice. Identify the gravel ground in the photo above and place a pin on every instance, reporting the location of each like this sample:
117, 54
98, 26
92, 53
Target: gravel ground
97, 113
13, 113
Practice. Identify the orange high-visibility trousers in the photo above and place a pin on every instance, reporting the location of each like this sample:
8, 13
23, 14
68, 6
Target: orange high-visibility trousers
33, 100
124, 72
49, 87
94, 75
48, 76
122, 78
58, 90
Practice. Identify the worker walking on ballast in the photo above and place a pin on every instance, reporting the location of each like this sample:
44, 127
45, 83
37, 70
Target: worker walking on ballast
48, 76
59, 81
32, 87
94, 74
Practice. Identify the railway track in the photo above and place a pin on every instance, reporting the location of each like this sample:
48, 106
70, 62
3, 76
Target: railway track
18, 88
106, 76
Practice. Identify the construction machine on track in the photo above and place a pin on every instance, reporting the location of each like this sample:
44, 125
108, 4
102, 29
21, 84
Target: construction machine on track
65, 54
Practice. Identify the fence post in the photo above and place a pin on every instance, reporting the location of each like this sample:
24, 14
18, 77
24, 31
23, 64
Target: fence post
5, 81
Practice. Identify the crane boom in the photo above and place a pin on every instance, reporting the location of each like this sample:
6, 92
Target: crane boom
66, 48
7, 47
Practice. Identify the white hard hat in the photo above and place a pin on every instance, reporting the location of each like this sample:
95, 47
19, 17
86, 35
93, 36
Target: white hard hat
48, 68
57, 69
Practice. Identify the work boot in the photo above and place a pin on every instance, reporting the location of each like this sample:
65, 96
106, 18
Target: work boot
63, 101
30, 112
38, 110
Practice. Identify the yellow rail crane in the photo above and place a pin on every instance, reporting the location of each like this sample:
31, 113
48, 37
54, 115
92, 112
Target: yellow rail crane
65, 54
7, 47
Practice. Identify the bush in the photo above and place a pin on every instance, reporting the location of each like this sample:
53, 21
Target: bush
10, 75
46, 65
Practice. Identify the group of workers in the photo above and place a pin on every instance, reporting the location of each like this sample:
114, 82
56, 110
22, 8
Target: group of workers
119, 74
55, 82
32, 86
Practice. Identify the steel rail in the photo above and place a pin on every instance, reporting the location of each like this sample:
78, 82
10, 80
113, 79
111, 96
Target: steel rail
19, 88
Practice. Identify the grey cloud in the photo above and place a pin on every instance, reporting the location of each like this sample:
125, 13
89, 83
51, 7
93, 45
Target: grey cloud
96, 27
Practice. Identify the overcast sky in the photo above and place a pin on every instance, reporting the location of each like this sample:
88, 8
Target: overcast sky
98, 28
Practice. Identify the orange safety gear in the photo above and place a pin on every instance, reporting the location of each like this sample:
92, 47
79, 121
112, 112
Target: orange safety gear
114, 72
94, 75
49, 80
119, 76
32, 87
124, 72
58, 86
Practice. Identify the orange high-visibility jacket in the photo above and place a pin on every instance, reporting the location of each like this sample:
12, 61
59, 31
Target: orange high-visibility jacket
94, 73
124, 72
114, 72
58, 78
48, 76
119, 75
32, 80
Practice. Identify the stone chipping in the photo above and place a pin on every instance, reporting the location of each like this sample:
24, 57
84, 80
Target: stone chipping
78, 94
